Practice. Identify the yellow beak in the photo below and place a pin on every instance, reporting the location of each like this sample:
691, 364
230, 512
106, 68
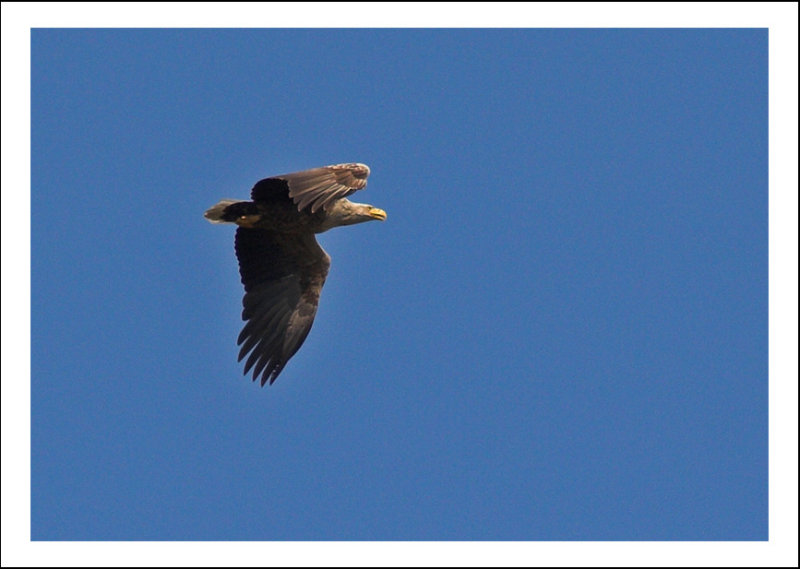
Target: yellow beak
377, 213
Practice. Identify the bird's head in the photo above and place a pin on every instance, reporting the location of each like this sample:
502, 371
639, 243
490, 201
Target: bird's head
345, 212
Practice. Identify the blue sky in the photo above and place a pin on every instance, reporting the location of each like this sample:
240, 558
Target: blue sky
560, 332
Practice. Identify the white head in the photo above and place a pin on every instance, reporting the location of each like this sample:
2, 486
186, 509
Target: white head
345, 212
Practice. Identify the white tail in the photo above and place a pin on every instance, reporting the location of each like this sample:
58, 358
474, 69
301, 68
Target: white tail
215, 213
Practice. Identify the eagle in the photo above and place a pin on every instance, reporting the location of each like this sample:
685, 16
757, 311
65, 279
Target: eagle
281, 264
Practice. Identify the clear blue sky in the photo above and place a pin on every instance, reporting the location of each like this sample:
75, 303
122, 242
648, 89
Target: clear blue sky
560, 332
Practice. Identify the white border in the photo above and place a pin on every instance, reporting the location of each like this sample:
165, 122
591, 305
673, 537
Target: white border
18, 18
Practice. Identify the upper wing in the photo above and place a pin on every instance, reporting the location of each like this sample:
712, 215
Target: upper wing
317, 187
282, 275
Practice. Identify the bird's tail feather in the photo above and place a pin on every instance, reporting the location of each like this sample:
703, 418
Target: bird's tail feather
229, 211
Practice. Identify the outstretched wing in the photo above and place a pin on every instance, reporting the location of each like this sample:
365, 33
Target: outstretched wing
317, 187
282, 276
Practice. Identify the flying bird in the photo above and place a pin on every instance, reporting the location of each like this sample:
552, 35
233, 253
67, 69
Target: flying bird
281, 264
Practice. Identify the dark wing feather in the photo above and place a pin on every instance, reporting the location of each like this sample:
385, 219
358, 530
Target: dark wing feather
271, 190
318, 187
282, 275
